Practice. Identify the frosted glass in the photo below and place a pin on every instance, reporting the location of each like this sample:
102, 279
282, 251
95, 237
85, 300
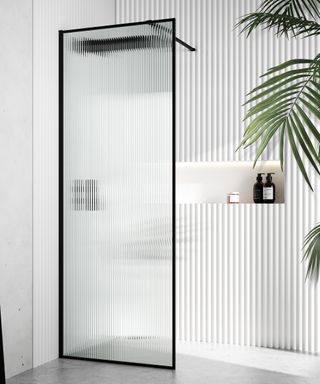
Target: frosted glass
118, 194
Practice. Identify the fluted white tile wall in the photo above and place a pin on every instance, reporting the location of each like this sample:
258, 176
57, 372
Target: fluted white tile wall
239, 274
48, 17
213, 81
238, 282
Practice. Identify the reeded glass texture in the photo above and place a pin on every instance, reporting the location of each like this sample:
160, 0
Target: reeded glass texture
118, 190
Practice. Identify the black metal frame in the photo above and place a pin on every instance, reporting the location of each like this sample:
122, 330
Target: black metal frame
151, 22
2, 370
61, 208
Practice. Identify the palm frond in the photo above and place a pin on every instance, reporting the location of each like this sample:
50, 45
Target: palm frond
282, 104
302, 9
311, 255
283, 24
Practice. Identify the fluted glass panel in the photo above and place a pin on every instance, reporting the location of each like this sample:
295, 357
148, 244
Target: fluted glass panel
118, 193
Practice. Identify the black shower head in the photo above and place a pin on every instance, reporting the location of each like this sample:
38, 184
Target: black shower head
99, 46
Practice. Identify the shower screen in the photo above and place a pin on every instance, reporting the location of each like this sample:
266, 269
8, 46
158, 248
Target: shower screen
117, 193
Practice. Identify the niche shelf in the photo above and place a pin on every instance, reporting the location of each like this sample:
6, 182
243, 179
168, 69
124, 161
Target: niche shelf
210, 182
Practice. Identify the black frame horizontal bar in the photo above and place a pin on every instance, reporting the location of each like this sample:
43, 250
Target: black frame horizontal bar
150, 22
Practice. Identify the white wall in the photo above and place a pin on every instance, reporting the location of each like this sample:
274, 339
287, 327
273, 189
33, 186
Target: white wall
48, 17
239, 274
16, 183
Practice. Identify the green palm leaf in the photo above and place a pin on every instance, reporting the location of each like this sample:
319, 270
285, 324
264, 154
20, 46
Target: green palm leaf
297, 8
312, 252
297, 16
287, 103
283, 24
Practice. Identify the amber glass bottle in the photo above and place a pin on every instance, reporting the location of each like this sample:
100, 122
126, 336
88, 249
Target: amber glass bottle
258, 189
269, 190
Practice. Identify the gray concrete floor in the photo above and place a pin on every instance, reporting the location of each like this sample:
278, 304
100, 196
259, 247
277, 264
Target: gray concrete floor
195, 364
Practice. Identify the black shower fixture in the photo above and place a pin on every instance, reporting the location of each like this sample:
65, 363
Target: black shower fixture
148, 41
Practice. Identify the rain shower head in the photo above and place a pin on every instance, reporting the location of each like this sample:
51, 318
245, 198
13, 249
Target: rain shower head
100, 46
152, 41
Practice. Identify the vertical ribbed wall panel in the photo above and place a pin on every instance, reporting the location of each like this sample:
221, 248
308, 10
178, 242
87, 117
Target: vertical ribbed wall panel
213, 81
239, 273
48, 17
238, 282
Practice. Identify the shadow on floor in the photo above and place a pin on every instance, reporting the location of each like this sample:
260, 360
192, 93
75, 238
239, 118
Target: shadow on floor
190, 370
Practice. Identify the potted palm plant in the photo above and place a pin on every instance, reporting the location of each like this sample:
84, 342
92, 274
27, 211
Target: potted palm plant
287, 103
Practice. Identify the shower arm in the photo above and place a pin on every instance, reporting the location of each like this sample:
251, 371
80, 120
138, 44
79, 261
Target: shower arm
185, 44
151, 23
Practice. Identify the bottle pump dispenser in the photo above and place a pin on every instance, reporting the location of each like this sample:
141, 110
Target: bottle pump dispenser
258, 189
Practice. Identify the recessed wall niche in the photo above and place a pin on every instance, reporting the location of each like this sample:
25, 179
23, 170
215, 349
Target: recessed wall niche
210, 182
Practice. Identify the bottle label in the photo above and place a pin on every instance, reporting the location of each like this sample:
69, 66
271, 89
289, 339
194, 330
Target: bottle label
268, 193
257, 194
234, 198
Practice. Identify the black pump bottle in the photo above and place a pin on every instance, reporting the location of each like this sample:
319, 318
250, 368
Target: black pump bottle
258, 189
269, 190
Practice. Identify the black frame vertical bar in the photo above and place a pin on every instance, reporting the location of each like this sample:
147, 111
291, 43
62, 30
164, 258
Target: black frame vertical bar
61, 188
2, 370
61, 114
173, 194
